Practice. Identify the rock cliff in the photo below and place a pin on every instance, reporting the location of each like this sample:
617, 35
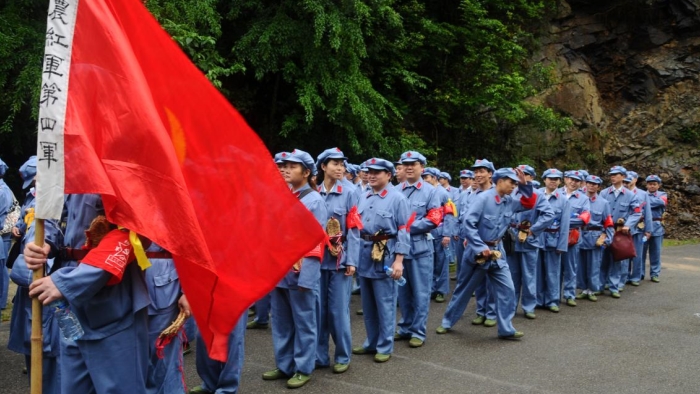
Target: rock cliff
626, 72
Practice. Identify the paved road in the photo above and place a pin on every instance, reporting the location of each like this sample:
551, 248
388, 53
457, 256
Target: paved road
646, 342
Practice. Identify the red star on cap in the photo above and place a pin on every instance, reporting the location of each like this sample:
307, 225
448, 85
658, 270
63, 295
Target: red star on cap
478, 161
408, 154
576, 172
374, 161
337, 149
552, 171
284, 154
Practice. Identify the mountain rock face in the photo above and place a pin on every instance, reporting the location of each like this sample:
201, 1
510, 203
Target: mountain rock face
627, 73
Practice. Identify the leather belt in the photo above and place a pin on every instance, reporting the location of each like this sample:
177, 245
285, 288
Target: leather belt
492, 243
592, 228
551, 230
375, 238
657, 219
71, 254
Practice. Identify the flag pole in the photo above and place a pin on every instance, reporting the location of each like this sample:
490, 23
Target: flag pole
37, 339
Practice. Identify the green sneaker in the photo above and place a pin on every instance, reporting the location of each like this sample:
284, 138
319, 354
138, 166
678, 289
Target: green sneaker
275, 374
489, 323
399, 337
581, 296
530, 315
298, 380
635, 283
251, 312
592, 297
381, 358
360, 312
655, 279
517, 335
570, 302
621, 289
553, 308
254, 325
199, 390
362, 350
415, 342
615, 295
440, 298
479, 320
442, 330
340, 368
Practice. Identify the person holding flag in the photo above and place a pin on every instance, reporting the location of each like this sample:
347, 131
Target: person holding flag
20, 323
294, 305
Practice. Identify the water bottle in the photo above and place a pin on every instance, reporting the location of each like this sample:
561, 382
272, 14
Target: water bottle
449, 254
644, 239
67, 322
401, 281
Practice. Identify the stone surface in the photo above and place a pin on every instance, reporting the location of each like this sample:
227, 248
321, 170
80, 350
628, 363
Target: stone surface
628, 74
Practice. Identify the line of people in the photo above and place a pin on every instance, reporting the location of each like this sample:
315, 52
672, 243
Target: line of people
513, 244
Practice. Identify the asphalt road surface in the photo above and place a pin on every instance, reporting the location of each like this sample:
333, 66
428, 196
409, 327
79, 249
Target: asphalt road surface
646, 342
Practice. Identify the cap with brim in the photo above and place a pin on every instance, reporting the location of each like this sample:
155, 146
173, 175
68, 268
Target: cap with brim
446, 176
535, 184
632, 174
505, 173
299, 156
411, 157
279, 157
28, 172
3, 168
529, 170
584, 174
466, 174
380, 165
653, 178
594, 179
330, 154
574, 175
483, 163
552, 173
431, 171
618, 170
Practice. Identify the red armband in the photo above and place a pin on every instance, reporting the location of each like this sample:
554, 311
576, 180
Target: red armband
317, 251
638, 210
528, 202
354, 219
665, 200
113, 254
585, 216
409, 223
435, 215
608, 222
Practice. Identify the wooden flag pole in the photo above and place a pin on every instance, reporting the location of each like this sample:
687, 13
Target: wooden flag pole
37, 339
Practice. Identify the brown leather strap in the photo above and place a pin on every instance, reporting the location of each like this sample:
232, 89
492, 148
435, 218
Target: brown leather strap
375, 238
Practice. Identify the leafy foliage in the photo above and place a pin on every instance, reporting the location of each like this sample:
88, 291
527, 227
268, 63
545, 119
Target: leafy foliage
375, 78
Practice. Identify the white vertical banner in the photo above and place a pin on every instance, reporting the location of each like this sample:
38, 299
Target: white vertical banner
50, 179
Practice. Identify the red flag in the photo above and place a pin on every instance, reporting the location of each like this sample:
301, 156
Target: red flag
175, 162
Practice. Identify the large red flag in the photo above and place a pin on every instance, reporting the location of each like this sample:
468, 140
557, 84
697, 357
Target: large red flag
174, 161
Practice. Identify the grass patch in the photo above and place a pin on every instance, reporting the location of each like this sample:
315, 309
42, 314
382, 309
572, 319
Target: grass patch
680, 242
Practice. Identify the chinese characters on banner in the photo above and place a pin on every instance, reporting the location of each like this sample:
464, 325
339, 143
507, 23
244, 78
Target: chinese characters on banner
50, 178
